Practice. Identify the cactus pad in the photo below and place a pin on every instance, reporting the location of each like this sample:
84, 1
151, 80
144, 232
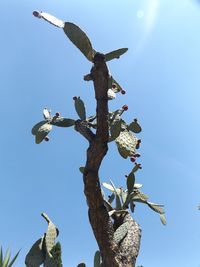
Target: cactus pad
126, 143
80, 108
49, 262
62, 122
121, 232
42, 132
37, 126
115, 54
97, 259
36, 254
51, 234
79, 39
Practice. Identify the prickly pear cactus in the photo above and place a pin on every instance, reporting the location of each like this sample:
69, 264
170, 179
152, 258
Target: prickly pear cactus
126, 143
45, 251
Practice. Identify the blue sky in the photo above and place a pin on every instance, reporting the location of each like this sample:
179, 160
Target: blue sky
160, 72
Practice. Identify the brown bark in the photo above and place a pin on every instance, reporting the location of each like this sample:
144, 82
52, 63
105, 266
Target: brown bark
113, 255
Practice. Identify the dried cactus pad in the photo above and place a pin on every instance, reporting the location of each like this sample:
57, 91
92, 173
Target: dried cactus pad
126, 143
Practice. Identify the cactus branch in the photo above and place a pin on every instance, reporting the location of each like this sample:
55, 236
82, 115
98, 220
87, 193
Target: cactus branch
82, 128
100, 221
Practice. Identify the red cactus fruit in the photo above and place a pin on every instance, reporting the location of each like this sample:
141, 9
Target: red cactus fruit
57, 114
46, 138
36, 14
133, 159
125, 107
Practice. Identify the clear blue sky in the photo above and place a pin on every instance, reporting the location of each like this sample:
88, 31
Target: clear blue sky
160, 72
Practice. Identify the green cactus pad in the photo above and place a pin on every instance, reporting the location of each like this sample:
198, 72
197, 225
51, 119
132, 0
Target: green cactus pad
115, 54
50, 262
126, 144
56, 253
42, 132
36, 254
37, 126
121, 232
134, 127
80, 108
62, 122
130, 181
115, 129
97, 259
156, 207
79, 39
